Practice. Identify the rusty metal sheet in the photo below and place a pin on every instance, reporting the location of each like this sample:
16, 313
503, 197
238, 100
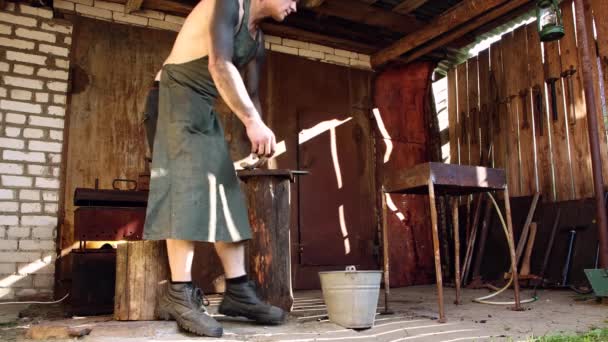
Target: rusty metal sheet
400, 95
110, 198
108, 223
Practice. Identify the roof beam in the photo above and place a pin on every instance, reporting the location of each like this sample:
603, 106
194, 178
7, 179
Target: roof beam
361, 12
494, 14
133, 5
172, 7
446, 22
408, 6
312, 37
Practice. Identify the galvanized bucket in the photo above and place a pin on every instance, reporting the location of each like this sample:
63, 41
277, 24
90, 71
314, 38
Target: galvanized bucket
351, 296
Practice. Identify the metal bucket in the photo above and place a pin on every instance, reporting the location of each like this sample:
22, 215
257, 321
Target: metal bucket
351, 296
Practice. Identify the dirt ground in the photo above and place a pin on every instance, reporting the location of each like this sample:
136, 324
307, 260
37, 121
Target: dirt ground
414, 318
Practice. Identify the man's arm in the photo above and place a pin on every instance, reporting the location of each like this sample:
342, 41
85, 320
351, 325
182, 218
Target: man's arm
253, 75
225, 74
228, 80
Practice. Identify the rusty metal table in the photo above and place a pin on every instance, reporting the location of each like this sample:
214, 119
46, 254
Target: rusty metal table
453, 180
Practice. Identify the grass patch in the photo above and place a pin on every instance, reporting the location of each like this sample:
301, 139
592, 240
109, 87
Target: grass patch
595, 335
8, 324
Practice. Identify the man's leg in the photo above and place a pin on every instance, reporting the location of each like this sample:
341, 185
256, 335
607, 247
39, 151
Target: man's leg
180, 254
232, 256
240, 298
183, 301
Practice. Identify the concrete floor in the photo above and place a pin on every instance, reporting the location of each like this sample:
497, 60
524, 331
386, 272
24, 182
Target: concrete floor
415, 319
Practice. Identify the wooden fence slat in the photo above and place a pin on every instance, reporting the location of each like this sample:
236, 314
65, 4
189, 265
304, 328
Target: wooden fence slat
473, 112
559, 145
510, 51
576, 112
485, 122
544, 158
463, 107
497, 92
453, 116
525, 123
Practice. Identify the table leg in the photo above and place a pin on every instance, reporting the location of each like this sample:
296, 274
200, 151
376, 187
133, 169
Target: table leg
512, 250
456, 247
436, 251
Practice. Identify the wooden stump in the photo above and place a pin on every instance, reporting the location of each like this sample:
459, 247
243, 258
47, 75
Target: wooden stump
269, 258
142, 273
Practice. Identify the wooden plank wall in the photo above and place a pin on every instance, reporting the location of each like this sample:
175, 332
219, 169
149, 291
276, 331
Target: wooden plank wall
494, 103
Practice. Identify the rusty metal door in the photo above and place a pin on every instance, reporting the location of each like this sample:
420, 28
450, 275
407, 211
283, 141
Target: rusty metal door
336, 225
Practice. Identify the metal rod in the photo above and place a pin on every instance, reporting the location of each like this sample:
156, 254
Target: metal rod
583, 12
456, 248
512, 249
549, 248
566, 269
385, 249
436, 251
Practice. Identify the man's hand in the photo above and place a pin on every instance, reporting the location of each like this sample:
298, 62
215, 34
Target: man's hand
263, 142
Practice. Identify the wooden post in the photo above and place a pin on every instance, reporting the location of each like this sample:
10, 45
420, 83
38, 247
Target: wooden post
142, 273
269, 257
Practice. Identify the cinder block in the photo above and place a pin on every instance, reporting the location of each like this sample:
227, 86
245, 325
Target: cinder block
36, 35
63, 27
18, 19
11, 169
33, 133
20, 106
17, 43
94, 12
23, 83
47, 183
29, 195
16, 181
25, 57
46, 122
15, 144
36, 157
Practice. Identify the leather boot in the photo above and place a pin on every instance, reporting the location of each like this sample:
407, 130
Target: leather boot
242, 300
184, 303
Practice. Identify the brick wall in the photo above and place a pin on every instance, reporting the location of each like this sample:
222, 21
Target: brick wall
111, 11
34, 63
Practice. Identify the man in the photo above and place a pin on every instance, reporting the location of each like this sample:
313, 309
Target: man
194, 191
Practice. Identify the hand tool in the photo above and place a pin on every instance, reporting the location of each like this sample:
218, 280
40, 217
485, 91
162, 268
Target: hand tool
538, 108
551, 81
568, 74
549, 248
525, 265
253, 161
523, 94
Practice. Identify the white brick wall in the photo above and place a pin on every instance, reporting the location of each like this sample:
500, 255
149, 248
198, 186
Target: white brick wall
34, 64
111, 11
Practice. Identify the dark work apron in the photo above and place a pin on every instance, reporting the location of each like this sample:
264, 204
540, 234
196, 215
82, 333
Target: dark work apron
194, 191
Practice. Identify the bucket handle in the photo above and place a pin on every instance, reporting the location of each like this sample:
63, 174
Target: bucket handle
351, 268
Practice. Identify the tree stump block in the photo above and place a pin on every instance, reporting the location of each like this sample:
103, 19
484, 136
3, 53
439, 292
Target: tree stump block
269, 257
142, 273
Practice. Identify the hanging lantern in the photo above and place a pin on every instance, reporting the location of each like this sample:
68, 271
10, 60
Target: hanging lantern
549, 20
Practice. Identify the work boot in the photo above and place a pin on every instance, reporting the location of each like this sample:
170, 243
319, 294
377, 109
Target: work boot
242, 300
185, 303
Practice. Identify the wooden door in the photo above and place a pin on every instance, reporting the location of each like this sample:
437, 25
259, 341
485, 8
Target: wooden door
336, 226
